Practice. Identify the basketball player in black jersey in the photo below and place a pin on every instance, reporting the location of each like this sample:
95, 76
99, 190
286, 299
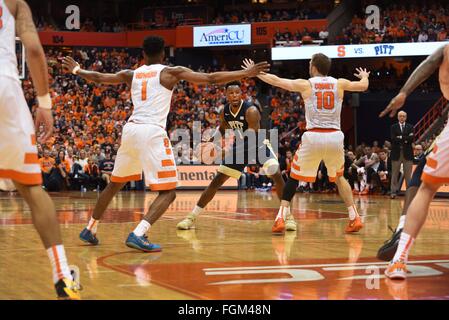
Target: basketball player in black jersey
241, 117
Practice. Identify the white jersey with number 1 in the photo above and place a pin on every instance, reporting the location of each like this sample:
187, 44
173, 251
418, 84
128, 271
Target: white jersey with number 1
151, 99
145, 144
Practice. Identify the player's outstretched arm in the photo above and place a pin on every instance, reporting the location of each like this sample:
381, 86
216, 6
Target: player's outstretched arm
297, 85
37, 64
183, 73
421, 73
124, 76
356, 86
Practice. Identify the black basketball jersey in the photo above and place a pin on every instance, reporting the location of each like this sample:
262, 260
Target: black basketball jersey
237, 121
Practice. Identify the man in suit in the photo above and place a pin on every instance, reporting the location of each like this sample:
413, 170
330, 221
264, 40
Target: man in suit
401, 152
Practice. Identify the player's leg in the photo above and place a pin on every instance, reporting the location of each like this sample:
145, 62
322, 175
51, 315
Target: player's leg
387, 250
416, 217
304, 167
160, 175
435, 173
334, 160
44, 218
19, 162
205, 198
127, 167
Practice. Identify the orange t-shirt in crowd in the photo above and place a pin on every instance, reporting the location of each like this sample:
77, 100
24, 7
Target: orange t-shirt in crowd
46, 164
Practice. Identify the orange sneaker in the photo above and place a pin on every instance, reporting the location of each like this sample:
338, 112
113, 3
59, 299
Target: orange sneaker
396, 270
355, 192
354, 225
279, 226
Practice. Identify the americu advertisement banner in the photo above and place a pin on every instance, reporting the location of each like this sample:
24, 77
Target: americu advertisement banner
222, 35
199, 177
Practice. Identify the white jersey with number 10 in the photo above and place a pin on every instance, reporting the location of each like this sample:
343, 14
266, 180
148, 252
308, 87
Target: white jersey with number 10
323, 107
150, 98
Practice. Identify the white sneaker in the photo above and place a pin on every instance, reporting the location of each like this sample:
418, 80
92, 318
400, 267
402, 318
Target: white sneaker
290, 223
187, 223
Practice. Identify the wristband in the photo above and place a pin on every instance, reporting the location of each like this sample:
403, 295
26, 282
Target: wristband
76, 69
44, 101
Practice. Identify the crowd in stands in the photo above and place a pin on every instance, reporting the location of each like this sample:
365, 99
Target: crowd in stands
286, 38
408, 22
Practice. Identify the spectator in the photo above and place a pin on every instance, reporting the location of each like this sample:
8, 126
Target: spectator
401, 153
46, 163
106, 167
417, 153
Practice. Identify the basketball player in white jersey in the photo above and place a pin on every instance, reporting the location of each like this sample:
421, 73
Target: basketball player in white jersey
323, 141
145, 145
18, 151
435, 172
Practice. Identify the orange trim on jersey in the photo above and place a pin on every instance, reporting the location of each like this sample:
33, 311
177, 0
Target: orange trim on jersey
56, 259
302, 178
167, 163
432, 163
31, 158
22, 177
33, 139
295, 158
163, 186
295, 166
435, 149
322, 130
427, 178
168, 151
166, 174
135, 177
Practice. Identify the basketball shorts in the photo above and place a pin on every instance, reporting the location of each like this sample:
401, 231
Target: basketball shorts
18, 152
319, 145
436, 170
145, 148
244, 155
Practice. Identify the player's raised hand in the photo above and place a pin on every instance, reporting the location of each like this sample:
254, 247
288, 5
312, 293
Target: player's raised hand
247, 63
69, 64
395, 104
362, 73
254, 69
45, 117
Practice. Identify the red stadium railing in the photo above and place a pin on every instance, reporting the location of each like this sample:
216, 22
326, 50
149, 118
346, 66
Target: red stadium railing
429, 118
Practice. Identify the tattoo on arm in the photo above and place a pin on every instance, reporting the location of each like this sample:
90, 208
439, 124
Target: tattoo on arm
24, 19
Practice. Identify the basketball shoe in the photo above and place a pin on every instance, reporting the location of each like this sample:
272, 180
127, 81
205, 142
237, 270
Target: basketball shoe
396, 270
387, 251
68, 289
187, 223
290, 223
279, 226
354, 225
87, 236
142, 243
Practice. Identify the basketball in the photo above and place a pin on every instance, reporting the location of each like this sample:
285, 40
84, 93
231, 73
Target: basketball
208, 152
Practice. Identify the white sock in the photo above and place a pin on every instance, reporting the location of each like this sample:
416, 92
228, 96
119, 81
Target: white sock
401, 222
405, 243
58, 261
356, 186
93, 225
283, 212
352, 210
142, 228
197, 211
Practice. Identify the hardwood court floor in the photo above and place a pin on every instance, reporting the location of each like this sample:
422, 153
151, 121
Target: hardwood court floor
230, 255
